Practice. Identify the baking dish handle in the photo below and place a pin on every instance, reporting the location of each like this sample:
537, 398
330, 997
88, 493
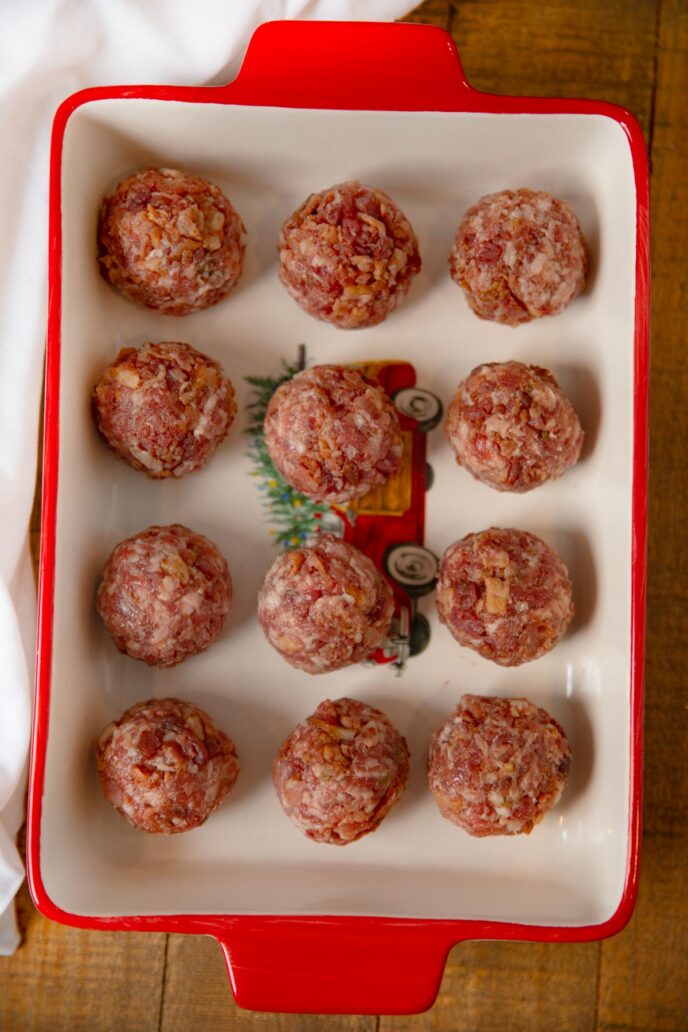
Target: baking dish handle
354, 65
331, 966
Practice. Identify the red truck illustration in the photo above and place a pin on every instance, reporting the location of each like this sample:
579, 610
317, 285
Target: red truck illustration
388, 524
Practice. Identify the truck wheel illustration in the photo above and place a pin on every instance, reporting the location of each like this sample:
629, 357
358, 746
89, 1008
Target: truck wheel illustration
413, 567
420, 634
421, 405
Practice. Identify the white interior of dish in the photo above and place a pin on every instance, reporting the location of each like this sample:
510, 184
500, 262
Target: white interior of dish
249, 858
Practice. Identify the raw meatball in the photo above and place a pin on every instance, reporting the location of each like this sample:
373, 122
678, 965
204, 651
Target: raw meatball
164, 595
166, 766
341, 771
518, 255
325, 606
513, 427
164, 408
498, 765
348, 255
506, 594
171, 241
333, 434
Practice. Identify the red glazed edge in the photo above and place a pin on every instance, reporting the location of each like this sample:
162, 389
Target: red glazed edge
344, 964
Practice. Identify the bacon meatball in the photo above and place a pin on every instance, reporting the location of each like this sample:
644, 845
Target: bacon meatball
164, 408
325, 606
341, 771
505, 594
512, 426
519, 255
498, 765
333, 434
348, 255
164, 595
171, 241
165, 766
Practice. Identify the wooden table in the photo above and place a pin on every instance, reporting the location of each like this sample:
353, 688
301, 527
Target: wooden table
65, 980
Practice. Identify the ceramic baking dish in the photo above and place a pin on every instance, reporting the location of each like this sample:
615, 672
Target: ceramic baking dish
306, 927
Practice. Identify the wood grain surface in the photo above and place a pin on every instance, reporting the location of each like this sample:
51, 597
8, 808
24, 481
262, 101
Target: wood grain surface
65, 980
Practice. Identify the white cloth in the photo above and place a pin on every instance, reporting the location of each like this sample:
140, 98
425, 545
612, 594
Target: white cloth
49, 49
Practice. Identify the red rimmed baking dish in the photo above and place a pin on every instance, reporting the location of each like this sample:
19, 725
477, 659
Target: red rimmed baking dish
305, 927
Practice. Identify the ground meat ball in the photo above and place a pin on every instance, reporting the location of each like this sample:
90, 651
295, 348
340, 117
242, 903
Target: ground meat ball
333, 434
171, 241
166, 766
512, 426
506, 594
341, 771
164, 595
518, 255
498, 765
325, 606
348, 255
164, 408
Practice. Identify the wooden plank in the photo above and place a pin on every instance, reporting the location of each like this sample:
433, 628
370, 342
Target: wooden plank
643, 974
643, 979
512, 987
560, 49
432, 12
69, 980
197, 995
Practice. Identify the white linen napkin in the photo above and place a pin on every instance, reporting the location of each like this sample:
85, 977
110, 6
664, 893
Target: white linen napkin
49, 49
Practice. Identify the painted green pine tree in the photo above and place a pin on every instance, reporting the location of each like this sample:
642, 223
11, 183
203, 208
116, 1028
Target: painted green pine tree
295, 518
